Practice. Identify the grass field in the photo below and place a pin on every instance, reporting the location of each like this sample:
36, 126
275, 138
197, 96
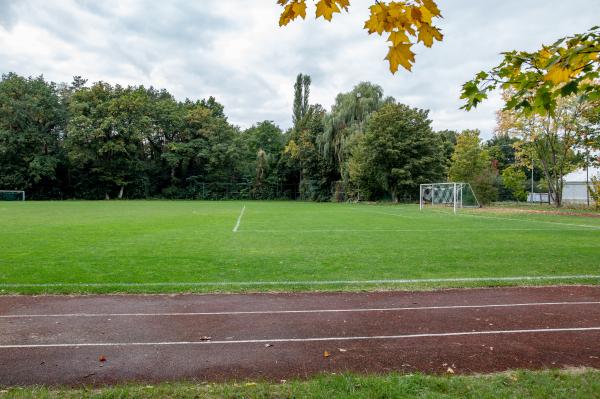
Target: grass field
520, 384
177, 246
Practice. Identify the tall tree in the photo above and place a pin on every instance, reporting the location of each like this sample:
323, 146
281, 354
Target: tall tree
472, 164
347, 119
301, 99
105, 137
552, 138
31, 128
398, 152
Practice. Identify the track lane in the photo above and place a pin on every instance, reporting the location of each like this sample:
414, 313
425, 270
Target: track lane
490, 349
264, 326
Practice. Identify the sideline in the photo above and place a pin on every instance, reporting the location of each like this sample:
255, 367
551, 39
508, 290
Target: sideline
314, 282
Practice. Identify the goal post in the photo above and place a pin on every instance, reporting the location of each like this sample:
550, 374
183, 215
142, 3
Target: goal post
449, 195
12, 195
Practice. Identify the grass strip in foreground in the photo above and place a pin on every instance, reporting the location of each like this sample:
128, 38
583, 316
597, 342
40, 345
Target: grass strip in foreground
573, 383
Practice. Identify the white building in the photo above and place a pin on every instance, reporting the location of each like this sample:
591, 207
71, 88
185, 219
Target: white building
575, 189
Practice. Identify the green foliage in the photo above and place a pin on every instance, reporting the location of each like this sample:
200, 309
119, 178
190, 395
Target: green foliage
398, 152
107, 141
514, 179
301, 98
31, 125
472, 164
448, 140
569, 66
594, 190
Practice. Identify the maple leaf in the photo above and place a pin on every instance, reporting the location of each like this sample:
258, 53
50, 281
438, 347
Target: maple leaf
326, 8
397, 18
427, 33
292, 10
432, 7
557, 74
397, 37
400, 55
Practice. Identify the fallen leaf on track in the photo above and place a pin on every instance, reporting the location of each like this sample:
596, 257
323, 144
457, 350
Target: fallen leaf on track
102, 358
326, 354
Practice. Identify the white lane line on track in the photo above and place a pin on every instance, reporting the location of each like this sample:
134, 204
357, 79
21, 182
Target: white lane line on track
304, 282
315, 339
239, 220
267, 312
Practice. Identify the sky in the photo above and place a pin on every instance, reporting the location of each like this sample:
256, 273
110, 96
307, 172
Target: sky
235, 51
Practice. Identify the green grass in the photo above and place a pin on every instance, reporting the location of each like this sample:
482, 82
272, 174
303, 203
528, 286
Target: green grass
150, 242
521, 384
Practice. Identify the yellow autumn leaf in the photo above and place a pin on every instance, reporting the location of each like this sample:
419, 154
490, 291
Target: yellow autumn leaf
426, 15
292, 10
401, 20
397, 37
400, 55
557, 74
432, 7
427, 33
326, 8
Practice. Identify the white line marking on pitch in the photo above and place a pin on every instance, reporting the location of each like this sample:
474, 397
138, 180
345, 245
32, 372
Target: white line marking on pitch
527, 220
385, 213
239, 220
478, 230
267, 312
316, 282
315, 339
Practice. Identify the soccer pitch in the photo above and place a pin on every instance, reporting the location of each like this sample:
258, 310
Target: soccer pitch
233, 246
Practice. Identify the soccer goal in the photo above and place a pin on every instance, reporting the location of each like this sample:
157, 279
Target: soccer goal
452, 195
12, 195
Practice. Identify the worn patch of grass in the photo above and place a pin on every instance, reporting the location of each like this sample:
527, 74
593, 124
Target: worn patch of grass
169, 246
518, 384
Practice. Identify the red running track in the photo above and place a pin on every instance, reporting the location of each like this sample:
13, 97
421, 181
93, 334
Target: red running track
62, 339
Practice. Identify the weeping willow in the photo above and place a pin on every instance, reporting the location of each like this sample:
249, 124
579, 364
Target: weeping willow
347, 120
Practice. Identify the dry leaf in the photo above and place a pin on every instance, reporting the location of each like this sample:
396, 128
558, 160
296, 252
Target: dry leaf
326, 354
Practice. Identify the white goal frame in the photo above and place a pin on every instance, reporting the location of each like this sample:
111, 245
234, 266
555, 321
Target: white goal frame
455, 200
15, 192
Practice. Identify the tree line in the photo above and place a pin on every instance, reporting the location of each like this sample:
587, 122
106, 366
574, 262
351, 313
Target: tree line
103, 141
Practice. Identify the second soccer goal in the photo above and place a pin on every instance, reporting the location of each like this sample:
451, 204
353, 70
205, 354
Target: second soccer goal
450, 195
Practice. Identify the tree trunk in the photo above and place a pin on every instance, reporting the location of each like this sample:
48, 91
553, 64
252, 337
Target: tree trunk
106, 197
121, 192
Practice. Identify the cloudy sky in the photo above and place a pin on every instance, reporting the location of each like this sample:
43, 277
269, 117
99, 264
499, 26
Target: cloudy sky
235, 51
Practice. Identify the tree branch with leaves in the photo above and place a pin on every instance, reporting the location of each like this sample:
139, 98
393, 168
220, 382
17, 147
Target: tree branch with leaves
404, 22
537, 80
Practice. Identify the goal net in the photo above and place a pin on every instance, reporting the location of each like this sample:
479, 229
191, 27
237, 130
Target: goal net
451, 195
12, 195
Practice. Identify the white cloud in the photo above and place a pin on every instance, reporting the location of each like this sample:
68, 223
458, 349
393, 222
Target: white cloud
234, 50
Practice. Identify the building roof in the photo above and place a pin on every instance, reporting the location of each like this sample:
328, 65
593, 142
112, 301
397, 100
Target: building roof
580, 176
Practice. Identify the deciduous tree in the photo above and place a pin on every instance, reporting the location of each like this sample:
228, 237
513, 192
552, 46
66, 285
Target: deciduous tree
398, 152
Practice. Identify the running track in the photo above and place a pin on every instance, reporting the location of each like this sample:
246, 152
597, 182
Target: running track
61, 339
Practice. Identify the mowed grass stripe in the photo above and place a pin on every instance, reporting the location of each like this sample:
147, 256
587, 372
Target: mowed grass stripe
154, 242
